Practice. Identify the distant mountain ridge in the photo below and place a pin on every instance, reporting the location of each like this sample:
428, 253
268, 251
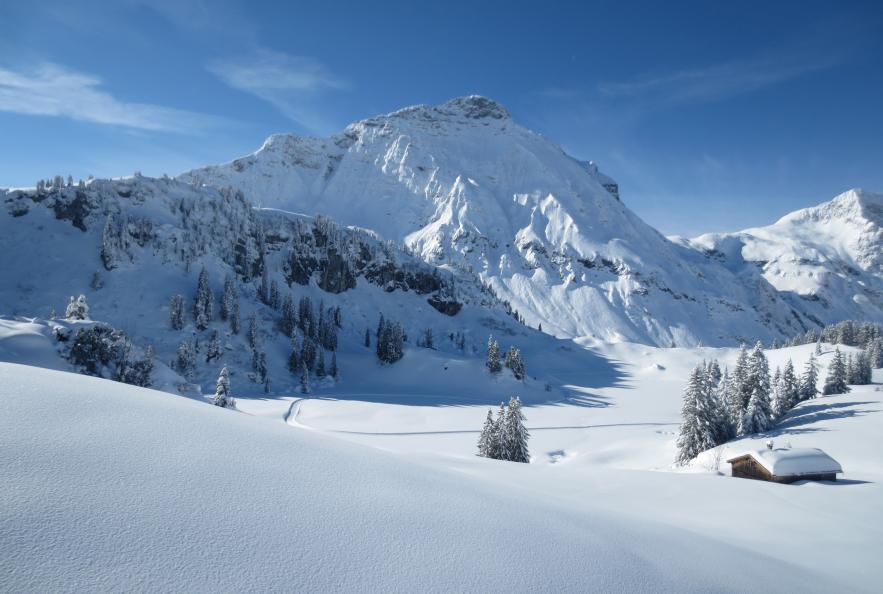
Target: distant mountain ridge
463, 185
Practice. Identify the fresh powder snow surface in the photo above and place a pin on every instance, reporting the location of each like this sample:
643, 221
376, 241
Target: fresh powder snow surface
111, 487
106, 486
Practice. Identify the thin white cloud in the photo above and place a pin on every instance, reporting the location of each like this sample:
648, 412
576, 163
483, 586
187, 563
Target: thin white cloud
292, 84
721, 80
53, 90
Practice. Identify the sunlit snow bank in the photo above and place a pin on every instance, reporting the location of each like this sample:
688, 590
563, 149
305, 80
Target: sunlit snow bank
111, 487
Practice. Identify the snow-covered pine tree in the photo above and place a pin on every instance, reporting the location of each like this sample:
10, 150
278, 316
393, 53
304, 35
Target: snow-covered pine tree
77, 309
493, 356
228, 297
851, 370
758, 414
863, 369
775, 395
835, 382
725, 397
742, 382
214, 348
515, 434
790, 388
875, 353
264, 291
185, 362
223, 397
202, 303
713, 370
253, 335
809, 379
308, 352
697, 432
235, 323
513, 361
488, 441
818, 350
111, 242
275, 299
332, 371
499, 432
304, 379
176, 312
320, 365
287, 322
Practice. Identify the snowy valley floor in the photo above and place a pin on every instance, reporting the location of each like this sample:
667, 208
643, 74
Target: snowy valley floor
109, 487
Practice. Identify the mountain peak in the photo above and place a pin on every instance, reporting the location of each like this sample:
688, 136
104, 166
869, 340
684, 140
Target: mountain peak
476, 107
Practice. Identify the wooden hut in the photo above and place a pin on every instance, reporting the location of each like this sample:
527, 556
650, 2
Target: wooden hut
786, 465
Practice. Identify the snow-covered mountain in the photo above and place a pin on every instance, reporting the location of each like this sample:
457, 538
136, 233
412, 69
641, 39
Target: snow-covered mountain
826, 261
463, 185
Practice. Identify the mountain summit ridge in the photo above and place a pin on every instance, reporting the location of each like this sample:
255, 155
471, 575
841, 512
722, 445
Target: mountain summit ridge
464, 185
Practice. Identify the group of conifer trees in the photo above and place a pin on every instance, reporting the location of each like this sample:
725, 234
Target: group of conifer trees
720, 406
512, 359
505, 437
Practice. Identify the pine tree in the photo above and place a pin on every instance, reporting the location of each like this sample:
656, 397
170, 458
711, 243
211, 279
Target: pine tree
264, 292
835, 382
809, 379
487, 441
294, 362
229, 298
493, 356
186, 359
214, 348
333, 370
253, 332
790, 390
275, 299
176, 312
77, 309
729, 415
202, 304
818, 350
513, 361
111, 243
742, 382
515, 434
499, 432
234, 317
320, 366
367, 338
863, 369
758, 414
308, 352
696, 433
222, 396
304, 379
875, 353
851, 370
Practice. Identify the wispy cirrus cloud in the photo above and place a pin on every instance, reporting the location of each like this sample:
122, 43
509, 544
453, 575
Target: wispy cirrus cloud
292, 84
53, 90
721, 80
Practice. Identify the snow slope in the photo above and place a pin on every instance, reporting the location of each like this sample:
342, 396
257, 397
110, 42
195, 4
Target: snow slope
612, 445
463, 184
111, 487
826, 260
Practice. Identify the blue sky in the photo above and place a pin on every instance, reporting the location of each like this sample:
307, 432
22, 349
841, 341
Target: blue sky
712, 116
